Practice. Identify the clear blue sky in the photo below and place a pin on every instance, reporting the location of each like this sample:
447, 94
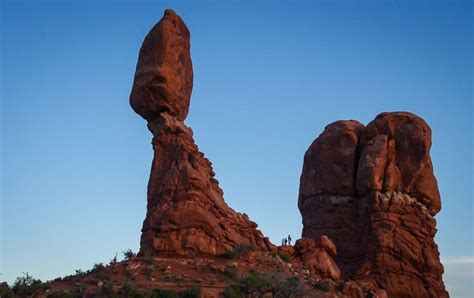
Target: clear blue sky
268, 77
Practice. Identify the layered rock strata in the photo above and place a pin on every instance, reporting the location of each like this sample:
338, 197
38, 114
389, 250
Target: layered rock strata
186, 211
372, 191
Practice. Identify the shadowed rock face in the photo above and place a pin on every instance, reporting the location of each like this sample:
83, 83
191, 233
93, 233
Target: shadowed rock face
186, 211
376, 201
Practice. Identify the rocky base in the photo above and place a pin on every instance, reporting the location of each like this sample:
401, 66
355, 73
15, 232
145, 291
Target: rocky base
386, 238
245, 273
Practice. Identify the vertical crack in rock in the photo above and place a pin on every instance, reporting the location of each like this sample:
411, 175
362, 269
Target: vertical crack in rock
186, 211
372, 191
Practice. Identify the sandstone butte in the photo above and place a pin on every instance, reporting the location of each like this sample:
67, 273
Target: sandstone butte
367, 197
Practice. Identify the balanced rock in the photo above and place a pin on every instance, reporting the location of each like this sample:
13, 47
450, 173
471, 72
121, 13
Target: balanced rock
376, 201
186, 211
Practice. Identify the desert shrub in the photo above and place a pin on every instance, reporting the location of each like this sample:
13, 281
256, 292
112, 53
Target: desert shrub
98, 267
193, 292
232, 291
26, 285
254, 282
286, 287
324, 286
80, 272
113, 261
128, 254
230, 271
284, 256
5, 291
162, 293
239, 251
129, 289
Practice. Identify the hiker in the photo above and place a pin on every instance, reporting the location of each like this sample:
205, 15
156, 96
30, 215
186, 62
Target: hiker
289, 239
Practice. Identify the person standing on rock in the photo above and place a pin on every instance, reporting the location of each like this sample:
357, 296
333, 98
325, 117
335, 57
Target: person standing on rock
289, 239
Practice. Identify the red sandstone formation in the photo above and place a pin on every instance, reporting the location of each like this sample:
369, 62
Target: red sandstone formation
373, 192
186, 211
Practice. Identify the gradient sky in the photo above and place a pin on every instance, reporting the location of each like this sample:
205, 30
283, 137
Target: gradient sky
268, 77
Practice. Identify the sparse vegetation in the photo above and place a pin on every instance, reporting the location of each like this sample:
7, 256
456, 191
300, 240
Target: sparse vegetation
26, 285
5, 291
325, 285
113, 261
98, 267
257, 284
128, 254
286, 287
162, 293
230, 271
254, 282
80, 272
238, 251
284, 256
193, 292
232, 291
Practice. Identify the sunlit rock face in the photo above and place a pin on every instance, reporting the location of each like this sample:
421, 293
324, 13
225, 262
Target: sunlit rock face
373, 192
186, 211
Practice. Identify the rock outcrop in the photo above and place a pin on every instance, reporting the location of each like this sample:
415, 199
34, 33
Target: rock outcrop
186, 211
373, 192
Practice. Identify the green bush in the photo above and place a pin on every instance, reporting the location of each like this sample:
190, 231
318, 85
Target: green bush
129, 289
286, 288
98, 267
193, 292
162, 293
324, 286
114, 260
26, 285
232, 291
284, 256
238, 251
5, 291
128, 254
254, 282
230, 271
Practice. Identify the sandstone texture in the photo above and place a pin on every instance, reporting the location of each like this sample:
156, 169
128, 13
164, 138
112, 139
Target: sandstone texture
376, 202
186, 211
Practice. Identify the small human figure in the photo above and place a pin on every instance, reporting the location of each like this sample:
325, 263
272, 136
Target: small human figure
289, 239
283, 241
286, 241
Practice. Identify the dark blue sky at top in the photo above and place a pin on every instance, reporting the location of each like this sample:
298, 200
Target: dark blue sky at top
268, 77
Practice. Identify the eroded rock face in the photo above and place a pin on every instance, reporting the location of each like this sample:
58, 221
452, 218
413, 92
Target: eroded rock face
186, 211
316, 256
376, 202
